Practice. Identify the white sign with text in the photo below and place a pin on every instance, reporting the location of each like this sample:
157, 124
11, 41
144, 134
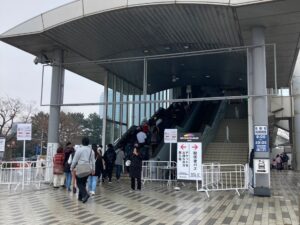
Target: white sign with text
24, 131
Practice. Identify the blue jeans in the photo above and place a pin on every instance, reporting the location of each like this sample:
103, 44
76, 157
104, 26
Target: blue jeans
68, 180
118, 171
92, 182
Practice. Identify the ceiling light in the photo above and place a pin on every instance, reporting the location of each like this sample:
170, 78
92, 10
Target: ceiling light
146, 51
240, 79
186, 47
167, 47
207, 76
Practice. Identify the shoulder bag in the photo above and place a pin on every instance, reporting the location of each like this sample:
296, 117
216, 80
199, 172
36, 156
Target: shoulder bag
84, 170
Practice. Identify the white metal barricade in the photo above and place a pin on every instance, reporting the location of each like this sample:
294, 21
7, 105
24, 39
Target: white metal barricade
11, 173
223, 177
159, 171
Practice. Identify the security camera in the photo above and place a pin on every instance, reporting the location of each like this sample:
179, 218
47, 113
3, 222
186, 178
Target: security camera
41, 58
36, 60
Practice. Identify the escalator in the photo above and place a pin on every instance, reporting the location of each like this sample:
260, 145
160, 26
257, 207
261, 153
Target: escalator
202, 115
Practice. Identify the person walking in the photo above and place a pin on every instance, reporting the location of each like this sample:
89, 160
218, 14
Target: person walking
109, 158
92, 180
69, 153
84, 163
135, 169
58, 168
120, 156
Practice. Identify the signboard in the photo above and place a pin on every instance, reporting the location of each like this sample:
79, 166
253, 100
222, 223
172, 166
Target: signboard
189, 157
170, 136
261, 166
24, 132
2, 144
261, 139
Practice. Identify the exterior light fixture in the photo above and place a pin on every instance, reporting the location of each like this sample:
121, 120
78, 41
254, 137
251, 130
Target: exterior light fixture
186, 47
167, 47
146, 51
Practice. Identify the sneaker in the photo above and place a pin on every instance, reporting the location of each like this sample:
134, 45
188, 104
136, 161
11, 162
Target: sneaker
74, 190
131, 191
92, 193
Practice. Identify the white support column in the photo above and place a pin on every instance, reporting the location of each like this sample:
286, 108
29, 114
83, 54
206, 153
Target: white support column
145, 85
104, 113
57, 89
260, 106
296, 94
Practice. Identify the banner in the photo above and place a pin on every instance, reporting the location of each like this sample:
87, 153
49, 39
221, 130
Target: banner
189, 157
24, 131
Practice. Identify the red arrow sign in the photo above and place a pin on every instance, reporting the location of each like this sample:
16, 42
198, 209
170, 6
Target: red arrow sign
195, 147
182, 146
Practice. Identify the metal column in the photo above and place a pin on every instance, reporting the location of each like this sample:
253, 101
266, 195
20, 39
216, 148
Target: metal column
260, 105
57, 88
296, 93
104, 112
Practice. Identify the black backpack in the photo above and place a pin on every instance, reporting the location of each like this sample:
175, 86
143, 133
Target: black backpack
110, 155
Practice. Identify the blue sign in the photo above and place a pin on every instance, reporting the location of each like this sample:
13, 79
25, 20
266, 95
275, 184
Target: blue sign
261, 139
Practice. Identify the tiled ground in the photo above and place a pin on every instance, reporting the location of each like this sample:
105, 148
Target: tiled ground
156, 204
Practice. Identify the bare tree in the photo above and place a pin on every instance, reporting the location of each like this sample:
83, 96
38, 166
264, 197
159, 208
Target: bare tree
10, 109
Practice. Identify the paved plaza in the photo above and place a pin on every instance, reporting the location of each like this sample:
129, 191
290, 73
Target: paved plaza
156, 204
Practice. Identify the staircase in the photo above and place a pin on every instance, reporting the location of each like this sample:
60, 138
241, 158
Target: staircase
231, 151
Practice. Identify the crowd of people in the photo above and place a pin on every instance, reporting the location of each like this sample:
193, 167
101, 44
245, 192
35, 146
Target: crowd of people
280, 162
83, 168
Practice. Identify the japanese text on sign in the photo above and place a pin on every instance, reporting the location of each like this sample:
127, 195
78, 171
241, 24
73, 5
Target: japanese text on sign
261, 138
24, 131
189, 160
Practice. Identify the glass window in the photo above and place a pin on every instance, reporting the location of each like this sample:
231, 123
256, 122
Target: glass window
161, 97
136, 115
117, 131
142, 109
110, 96
152, 104
148, 107
118, 99
156, 98
109, 132
130, 111
124, 105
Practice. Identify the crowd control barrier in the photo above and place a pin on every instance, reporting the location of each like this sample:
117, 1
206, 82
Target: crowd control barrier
17, 174
223, 177
164, 171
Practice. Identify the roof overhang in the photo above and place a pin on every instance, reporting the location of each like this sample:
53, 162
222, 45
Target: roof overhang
90, 30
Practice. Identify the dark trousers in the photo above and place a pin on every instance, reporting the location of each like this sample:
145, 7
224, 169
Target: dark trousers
118, 171
109, 170
139, 183
81, 184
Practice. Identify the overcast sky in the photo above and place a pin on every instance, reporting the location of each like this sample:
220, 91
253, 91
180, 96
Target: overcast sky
21, 78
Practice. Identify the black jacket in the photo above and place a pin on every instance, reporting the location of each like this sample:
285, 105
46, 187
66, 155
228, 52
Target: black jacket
110, 156
135, 169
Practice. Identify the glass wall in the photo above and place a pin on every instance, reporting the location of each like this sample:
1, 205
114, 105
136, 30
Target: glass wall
121, 115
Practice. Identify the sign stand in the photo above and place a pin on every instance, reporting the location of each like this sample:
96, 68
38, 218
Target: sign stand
170, 136
23, 134
23, 179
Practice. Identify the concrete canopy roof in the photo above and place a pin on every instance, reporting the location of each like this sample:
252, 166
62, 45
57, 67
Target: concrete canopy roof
89, 30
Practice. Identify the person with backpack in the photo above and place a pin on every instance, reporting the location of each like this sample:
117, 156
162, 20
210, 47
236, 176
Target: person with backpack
109, 158
285, 159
